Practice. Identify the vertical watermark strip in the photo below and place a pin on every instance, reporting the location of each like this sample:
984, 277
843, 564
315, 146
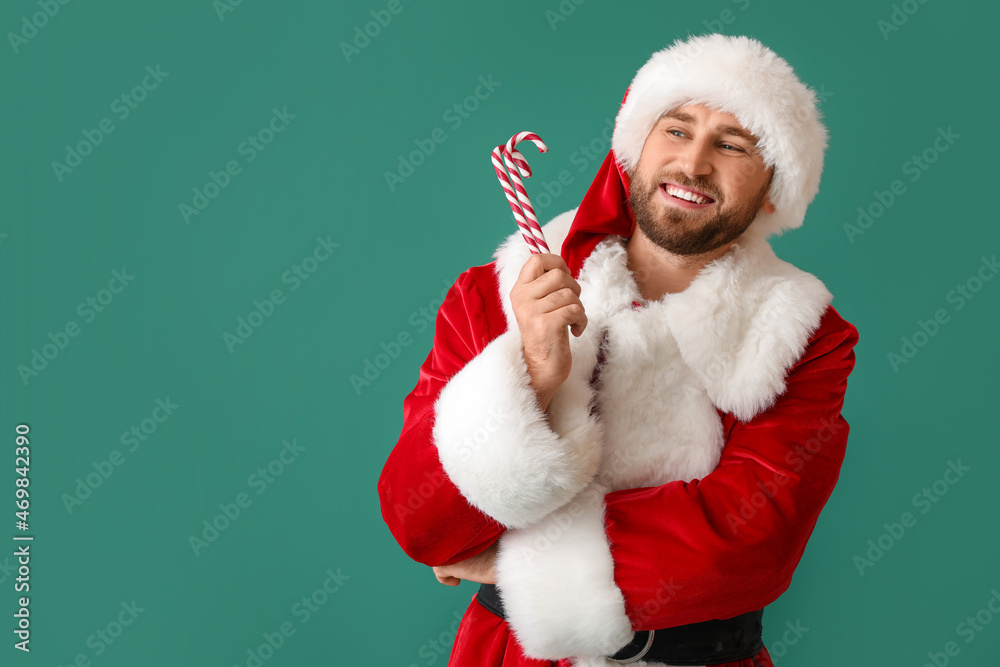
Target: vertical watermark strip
22, 541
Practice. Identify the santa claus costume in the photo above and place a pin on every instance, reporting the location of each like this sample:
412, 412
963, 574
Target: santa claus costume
667, 494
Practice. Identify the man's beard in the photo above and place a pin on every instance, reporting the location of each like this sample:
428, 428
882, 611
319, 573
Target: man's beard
674, 229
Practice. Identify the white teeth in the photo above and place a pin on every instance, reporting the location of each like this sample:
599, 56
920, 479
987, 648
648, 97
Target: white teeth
684, 194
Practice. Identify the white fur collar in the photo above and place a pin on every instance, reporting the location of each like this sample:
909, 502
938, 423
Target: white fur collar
741, 324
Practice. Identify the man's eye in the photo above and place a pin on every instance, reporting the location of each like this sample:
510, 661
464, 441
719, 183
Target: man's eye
735, 148
676, 133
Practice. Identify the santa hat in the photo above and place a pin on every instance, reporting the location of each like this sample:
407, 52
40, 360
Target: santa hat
734, 74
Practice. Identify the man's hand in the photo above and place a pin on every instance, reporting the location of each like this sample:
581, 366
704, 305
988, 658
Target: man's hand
479, 568
545, 300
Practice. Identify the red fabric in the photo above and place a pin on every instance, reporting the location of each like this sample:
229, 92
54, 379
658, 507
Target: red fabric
741, 529
677, 559
604, 210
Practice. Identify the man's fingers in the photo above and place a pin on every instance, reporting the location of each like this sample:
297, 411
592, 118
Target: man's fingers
540, 263
578, 319
553, 279
550, 281
446, 579
574, 316
561, 297
552, 291
478, 568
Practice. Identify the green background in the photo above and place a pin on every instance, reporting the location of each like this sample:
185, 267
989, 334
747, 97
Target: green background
398, 249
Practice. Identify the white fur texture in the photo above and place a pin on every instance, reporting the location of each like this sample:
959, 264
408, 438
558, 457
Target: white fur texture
557, 583
727, 341
741, 76
494, 442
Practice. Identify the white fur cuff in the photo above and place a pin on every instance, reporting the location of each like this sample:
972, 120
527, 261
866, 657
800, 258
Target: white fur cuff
496, 445
556, 580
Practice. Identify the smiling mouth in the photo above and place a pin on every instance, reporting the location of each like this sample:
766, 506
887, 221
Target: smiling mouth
686, 194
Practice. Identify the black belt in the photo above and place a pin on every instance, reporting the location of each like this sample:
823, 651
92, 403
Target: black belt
705, 643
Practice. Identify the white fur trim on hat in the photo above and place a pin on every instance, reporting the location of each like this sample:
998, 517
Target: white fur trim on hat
741, 76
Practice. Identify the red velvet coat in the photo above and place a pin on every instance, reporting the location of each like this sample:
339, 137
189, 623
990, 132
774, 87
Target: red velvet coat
684, 551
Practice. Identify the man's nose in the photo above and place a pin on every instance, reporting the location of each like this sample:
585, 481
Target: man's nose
695, 158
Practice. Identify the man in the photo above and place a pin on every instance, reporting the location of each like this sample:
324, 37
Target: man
646, 486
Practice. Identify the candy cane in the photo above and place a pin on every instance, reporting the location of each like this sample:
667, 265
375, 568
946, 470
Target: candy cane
511, 153
517, 196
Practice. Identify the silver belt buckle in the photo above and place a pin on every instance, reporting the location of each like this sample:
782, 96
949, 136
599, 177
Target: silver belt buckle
638, 656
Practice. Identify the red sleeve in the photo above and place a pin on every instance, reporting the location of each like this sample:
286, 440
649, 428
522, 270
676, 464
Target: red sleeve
686, 552
426, 513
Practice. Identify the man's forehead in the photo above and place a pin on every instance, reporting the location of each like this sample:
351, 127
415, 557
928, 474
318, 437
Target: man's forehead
722, 121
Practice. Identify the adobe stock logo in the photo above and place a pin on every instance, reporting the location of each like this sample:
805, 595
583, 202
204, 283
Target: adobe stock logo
455, 116
30, 25
249, 148
898, 18
212, 527
796, 459
789, 638
915, 167
104, 637
968, 629
295, 276
439, 647
122, 107
420, 320
303, 610
960, 295
223, 7
88, 309
363, 35
924, 500
104, 468
419, 495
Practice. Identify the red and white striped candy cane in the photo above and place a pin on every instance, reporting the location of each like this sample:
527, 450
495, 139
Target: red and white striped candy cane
517, 196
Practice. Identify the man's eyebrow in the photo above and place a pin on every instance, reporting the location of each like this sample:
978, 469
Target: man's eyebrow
725, 129
679, 115
739, 132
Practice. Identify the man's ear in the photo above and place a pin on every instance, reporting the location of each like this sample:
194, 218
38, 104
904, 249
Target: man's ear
767, 205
